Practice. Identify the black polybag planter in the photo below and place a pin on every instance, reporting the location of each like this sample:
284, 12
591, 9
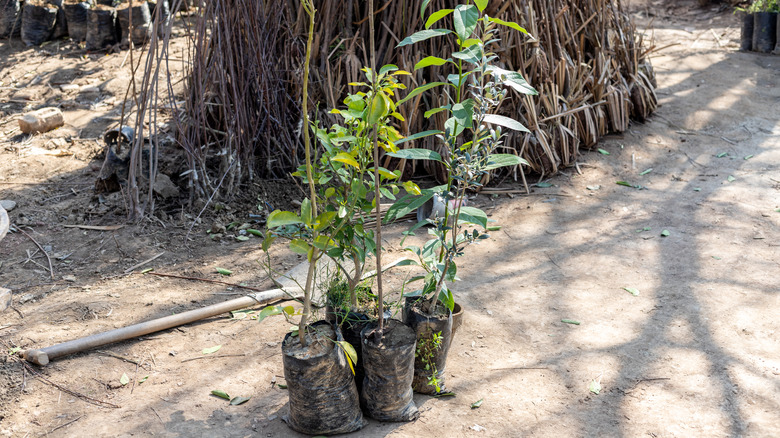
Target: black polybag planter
76, 15
746, 36
142, 24
425, 326
389, 371
777, 37
10, 18
764, 31
100, 27
352, 324
38, 19
323, 396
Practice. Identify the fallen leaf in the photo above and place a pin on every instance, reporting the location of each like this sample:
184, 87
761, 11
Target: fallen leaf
224, 271
632, 291
242, 238
211, 349
281, 385
716, 257
747, 157
143, 379
665, 233
594, 387
477, 403
543, 185
731, 179
254, 232
722, 154
147, 270
697, 189
603, 152
124, 380
646, 171
220, 394
570, 321
235, 401
643, 229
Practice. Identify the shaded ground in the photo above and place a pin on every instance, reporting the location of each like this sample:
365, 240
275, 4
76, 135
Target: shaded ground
694, 354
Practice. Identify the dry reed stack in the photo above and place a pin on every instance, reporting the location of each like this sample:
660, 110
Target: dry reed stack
242, 116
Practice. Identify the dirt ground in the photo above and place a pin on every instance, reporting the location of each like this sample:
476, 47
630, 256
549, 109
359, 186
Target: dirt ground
694, 354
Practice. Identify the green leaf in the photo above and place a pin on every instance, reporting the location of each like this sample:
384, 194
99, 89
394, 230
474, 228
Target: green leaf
343, 157
242, 238
594, 387
646, 171
223, 271
510, 24
124, 380
211, 350
717, 258
298, 246
417, 136
416, 154
543, 185
324, 219
147, 270
281, 218
407, 204
506, 122
306, 211
465, 19
570, 321
471, 54
747, 157
624, 183
436, 16
473, 215
220, 394
722, 154
423, 7
422, 36
632, 291
513, 80
481, 5
387, 68
420, 89
143, 379
603, 151
477, 403
235, 401
731, 179
433, 111
281, 386
412, 188
254, 232
269, 311
349, 350
503, 160
665, 233
428, 61
376, 109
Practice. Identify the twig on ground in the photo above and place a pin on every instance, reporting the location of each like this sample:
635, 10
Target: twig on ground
208, 280
66, 390
132, 268
213, 357
66, 424
157, 415
51, 269
116, 356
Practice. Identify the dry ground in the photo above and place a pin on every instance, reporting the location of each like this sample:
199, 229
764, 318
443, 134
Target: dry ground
695, 354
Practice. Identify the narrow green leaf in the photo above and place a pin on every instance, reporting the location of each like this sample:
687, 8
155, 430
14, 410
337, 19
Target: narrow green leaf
422, 36
420, 89
722, 154
433, 111
281, 385
646, 171
543, 185
510, 24
281, 218
235, 401
624, 183
603, 151
223, 271
417, 136
220, 394
747, 157
423, 7
299, 247
254, 232
506, 122
387, 68
436, 16
124, 380
717, 258
143, 379
306, 211
211, 350
632, 291
242, 238
570, 321
416, 154
477, 403
147, 270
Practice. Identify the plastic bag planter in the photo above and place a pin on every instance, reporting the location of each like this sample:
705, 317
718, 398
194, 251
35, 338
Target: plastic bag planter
38, 19
389, 367
764, 31
76, 15
434, 336
10, 18
777, 38
351, 324
323, 396
142, 24
101, 31
746, 36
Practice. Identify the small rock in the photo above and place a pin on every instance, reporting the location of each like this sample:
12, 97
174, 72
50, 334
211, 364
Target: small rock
71, 278
8, 204
172, 353
5, 299
164, 187
26, 297
477, 428
69, 87
42, 120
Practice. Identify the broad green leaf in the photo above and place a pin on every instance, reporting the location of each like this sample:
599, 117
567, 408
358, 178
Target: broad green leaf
417, 136
267, 242
465, 19
436, 16
235, 401
345, 158
420, 89
509, 24
385, 173
220, 394
513, 80
376, 109
731, 178
299, 246
388, 68
502, 160
472, 54
428, 61
416, 154
124, 380
412, 188
477, 403
242, 238
506, 122
323, 243
423, 35
632, 291
473, 215
223, 271
594, 387
210, 350
324, 219
408, 204
470, 42
268, 311
481, 4
570, 321
665, 233
281, 218
306, 211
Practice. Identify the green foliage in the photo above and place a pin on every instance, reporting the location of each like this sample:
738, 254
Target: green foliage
427, 346
471, 134
762, 6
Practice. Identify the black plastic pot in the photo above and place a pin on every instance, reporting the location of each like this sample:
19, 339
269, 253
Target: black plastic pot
777, 37
101, 33
10, 18
746, 36
38, 19
61, 25
764, 31
323, 396
142, 24
389, 371
351, 324
76, 15
425, 326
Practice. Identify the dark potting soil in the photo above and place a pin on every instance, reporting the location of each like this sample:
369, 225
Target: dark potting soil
101, 30
76, 14
323, 396
389, 372
10, 18
764, 31
61, 24
746, 35
38, 19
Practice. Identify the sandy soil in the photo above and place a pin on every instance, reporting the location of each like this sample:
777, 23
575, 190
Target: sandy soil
695, 353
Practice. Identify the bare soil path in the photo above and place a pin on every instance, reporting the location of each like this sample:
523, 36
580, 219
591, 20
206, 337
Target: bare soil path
696, 353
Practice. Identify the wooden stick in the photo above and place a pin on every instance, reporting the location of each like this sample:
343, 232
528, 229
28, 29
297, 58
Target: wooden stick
51, 269
207, 280
132, 268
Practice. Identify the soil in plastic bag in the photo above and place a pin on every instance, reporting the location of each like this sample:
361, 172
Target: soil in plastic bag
142, 24
764, 31
389, 365
429, 373
38, 19
746, 36
100, 27
320, 384
76, 15
352, 324
777, 37
10, 18
61, 25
